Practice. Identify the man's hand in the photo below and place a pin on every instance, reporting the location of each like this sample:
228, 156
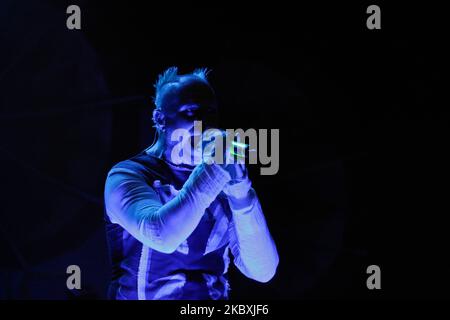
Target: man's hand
239, 185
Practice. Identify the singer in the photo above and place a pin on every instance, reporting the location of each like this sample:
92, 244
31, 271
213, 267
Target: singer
171, 227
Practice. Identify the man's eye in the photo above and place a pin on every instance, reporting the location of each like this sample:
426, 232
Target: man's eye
189, 113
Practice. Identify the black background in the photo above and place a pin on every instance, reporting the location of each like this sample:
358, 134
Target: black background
363, 132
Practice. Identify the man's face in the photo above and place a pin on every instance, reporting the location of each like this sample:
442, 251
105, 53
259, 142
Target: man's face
188, 101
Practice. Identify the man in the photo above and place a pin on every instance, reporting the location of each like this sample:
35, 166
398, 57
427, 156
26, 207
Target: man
170, 226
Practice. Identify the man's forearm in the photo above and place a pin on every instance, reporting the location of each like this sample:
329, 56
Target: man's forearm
136, 206
252, 245
181, 215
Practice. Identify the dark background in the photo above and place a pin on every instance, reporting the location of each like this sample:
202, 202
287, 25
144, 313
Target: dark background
363, 130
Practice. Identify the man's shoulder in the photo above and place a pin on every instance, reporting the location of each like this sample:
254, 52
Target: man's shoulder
141, 164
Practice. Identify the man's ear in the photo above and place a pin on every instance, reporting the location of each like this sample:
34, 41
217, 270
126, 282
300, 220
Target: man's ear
159, 120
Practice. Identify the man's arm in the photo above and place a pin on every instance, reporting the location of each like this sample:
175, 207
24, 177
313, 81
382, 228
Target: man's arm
251, 244
136, 206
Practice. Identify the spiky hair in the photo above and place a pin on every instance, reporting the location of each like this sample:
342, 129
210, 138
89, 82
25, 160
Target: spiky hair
171, 76
201, 73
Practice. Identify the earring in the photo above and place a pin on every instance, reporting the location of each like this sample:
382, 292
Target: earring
158, 118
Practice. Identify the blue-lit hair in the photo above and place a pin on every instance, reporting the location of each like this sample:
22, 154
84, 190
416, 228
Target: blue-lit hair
171, 77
